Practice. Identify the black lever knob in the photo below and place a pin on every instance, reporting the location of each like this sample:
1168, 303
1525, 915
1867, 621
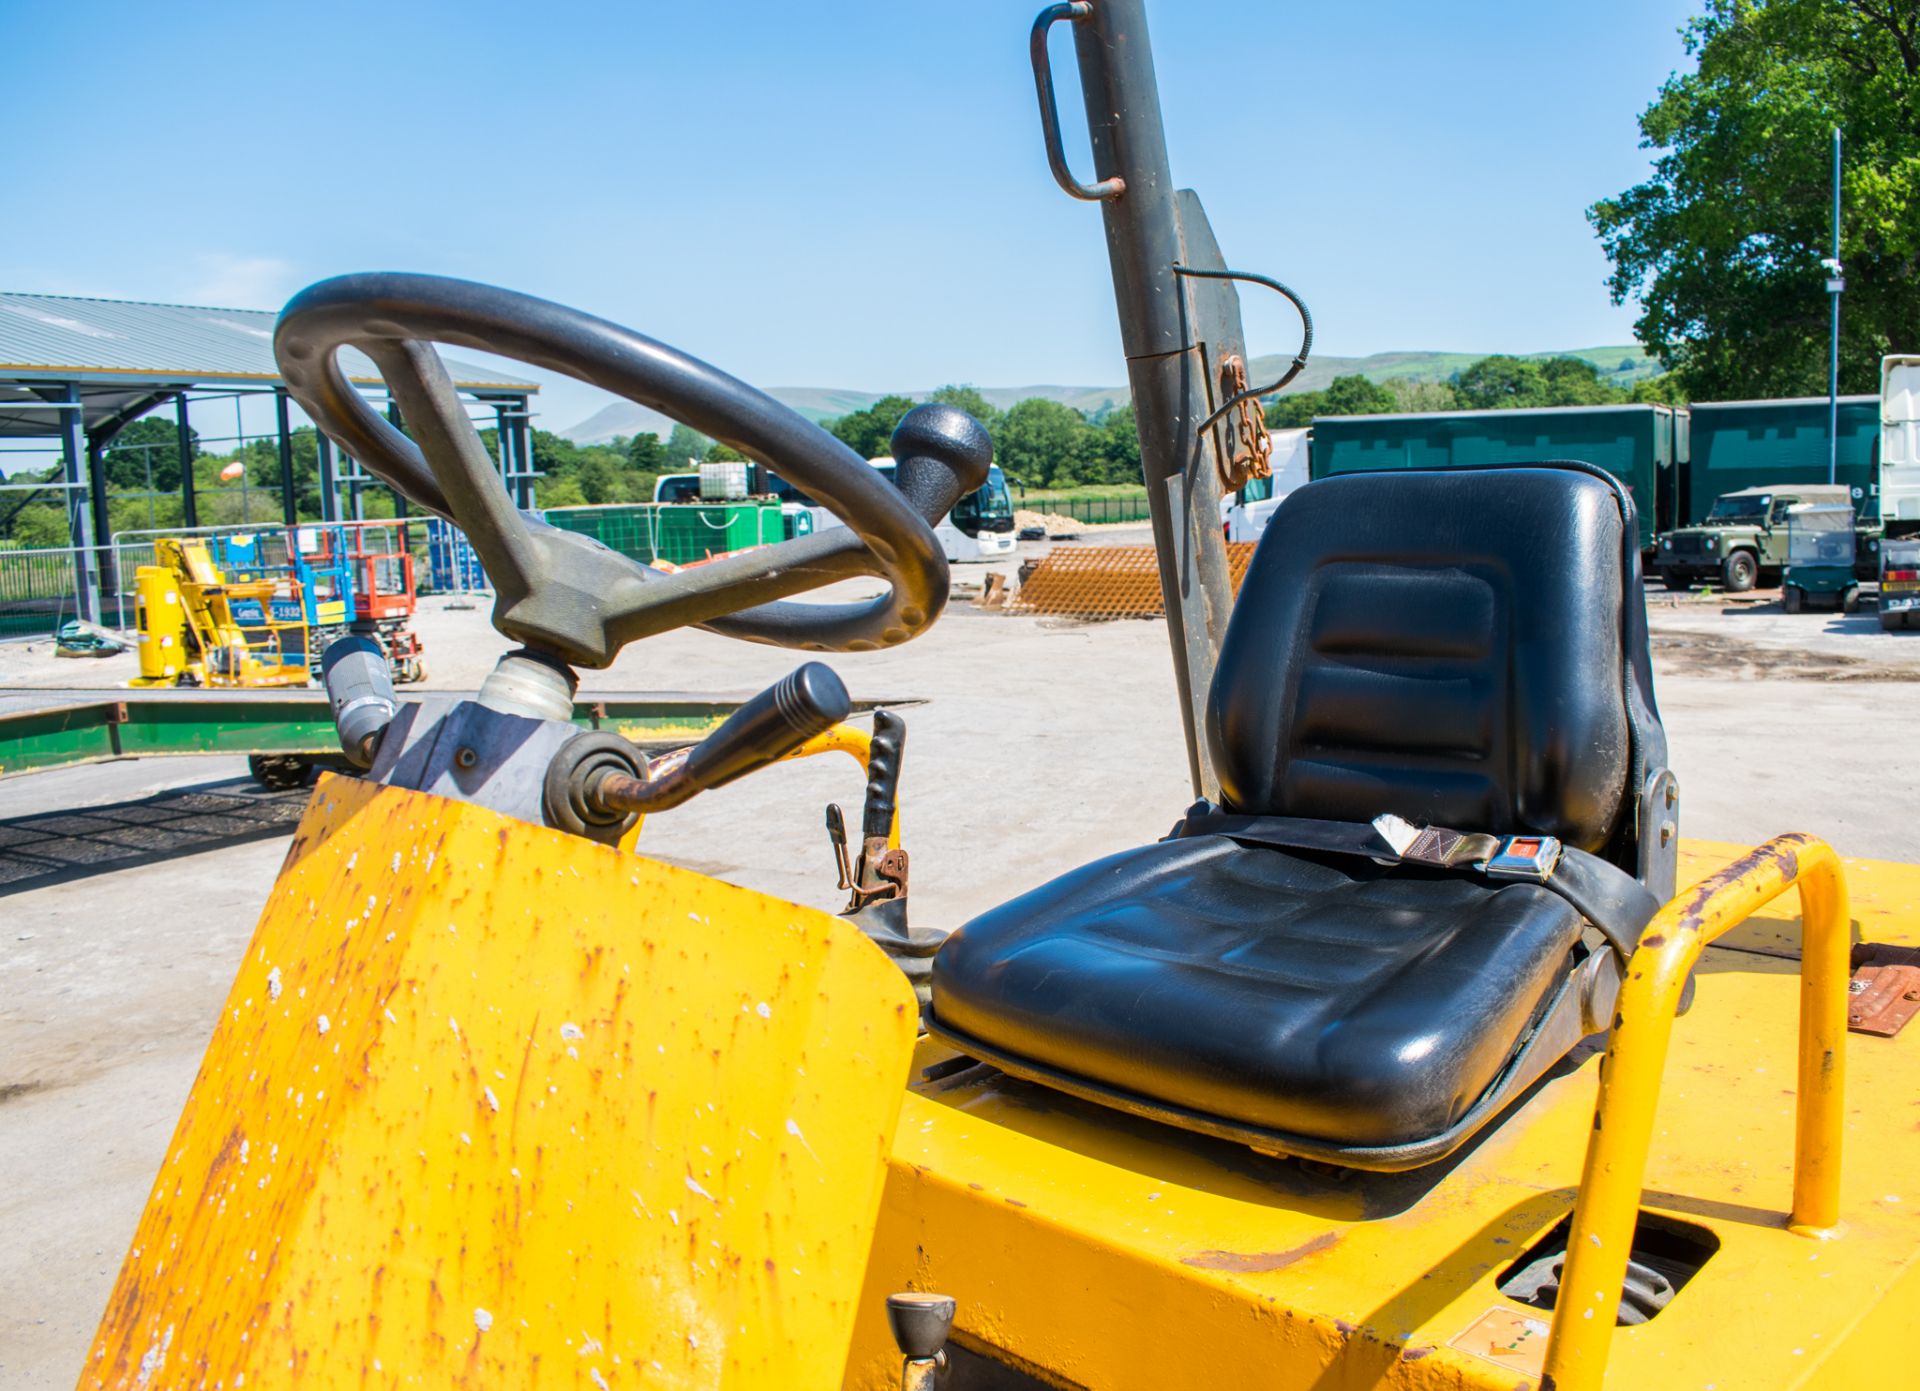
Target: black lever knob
807, 701
920, 1323
883, 774
940, 455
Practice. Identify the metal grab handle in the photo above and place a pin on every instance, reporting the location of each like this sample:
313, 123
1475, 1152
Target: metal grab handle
1050, 109
1608, 1205
565, 594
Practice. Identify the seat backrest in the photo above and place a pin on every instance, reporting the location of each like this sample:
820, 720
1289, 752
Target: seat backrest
1461, 647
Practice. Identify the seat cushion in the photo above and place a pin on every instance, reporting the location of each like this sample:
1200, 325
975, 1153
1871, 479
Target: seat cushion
1325, 998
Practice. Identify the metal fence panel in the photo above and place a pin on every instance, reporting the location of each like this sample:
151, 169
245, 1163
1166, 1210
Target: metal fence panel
1094, 511
37, 591
428, 539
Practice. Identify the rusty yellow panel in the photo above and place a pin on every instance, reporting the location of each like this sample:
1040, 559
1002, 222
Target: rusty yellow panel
490, 1106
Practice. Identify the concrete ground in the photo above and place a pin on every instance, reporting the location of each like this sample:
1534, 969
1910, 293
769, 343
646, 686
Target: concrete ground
128, 890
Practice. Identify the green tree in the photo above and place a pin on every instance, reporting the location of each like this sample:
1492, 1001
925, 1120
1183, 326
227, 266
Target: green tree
1573, 381
1349, 395
561, 492
1117, 447
969, 399
555, 453
723, 454
1047, 444
1412, 397
599, 480
683, 445
1357, 395
647, 454
1501, 382
1663, 390
150, 442
1722, 245
38, 525
869, 433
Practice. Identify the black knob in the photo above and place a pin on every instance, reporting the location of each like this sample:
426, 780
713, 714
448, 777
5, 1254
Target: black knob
940, 455
920, 1322
883, 774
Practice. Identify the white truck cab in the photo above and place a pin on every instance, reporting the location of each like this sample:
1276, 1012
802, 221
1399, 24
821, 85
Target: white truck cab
1243, 515
1900, 440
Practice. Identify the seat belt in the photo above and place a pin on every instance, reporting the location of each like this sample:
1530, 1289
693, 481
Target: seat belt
1616, 903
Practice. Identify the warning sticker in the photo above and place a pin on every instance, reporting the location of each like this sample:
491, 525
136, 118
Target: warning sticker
1508, 1339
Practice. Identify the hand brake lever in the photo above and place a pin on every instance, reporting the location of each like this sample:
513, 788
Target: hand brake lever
882, 869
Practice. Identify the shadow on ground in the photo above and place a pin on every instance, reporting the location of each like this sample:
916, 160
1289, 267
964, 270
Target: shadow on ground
58, 846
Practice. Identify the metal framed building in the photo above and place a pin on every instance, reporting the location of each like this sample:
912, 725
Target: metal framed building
75, 373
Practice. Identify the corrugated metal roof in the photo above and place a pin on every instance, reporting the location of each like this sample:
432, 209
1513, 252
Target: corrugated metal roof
168, 343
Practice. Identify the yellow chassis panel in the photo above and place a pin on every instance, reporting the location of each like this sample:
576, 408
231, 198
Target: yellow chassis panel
492, 1106
1094, 1249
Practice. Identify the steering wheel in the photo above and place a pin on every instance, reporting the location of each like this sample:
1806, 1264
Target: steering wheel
567, 594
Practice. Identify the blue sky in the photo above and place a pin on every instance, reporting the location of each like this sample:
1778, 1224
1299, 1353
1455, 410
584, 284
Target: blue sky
843, 194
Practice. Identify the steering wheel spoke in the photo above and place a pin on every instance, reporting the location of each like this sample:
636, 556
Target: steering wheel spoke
566, 594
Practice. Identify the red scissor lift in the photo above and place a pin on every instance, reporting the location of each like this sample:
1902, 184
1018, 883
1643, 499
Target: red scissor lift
384, 598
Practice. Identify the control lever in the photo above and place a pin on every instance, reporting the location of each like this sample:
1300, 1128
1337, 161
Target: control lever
881, 872
807, 701
921, 1325
837, 834
878, 902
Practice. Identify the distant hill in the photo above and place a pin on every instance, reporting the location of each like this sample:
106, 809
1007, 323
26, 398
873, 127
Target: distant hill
1622, 366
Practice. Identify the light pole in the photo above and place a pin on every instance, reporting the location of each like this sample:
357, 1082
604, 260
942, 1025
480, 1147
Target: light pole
1836, 283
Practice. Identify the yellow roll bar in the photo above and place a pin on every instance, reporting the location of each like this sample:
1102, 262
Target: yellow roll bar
1608, 1206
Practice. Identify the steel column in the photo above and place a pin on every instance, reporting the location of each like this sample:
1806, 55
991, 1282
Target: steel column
399, 498
1166, 371
289, 504
329, 485
500, 444
74, 462
102, 519
183, 438
523, 452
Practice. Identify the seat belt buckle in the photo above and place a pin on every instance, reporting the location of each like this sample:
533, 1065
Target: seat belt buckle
1528, 859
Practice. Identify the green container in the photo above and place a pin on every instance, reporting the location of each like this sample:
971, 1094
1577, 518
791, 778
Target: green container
678, 533
1777, 444
700, 531
1636, 444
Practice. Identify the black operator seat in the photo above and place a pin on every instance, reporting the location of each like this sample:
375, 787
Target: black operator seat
1461, 648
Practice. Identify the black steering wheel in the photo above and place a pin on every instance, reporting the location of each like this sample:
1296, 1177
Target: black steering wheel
566, 594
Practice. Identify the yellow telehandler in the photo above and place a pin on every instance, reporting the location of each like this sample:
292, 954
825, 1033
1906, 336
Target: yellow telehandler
1405, 1060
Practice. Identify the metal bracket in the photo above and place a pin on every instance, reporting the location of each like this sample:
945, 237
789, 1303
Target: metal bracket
1884, 994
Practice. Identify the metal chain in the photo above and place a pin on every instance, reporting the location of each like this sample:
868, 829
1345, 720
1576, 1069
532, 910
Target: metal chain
1249, 454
